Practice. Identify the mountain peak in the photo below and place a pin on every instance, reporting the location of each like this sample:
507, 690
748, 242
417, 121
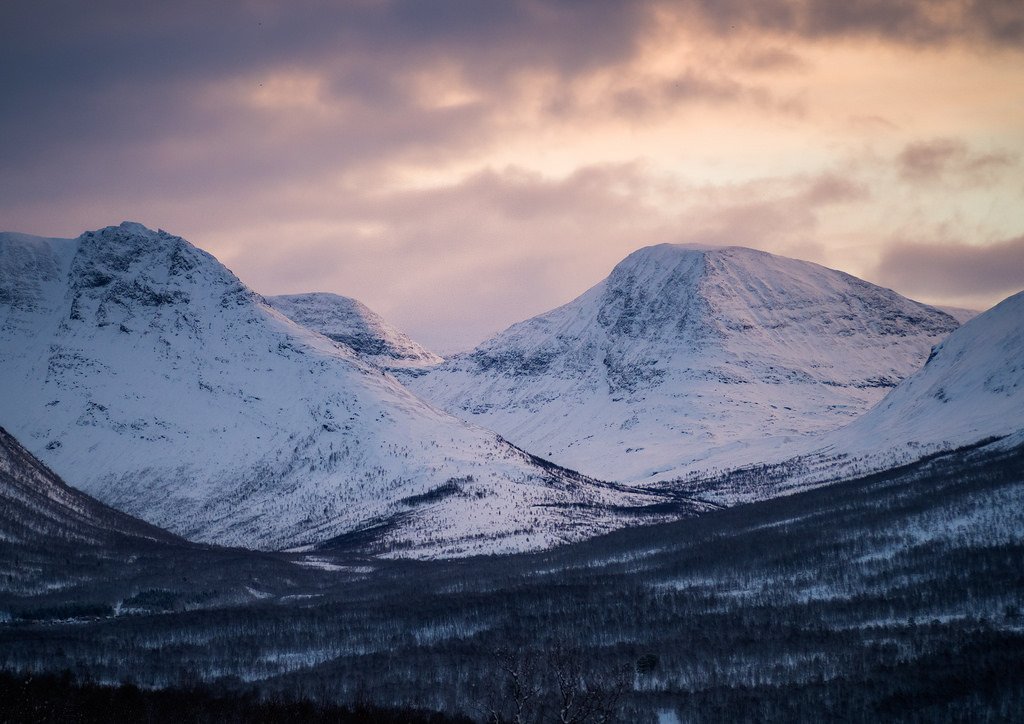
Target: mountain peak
728, 290
687, 356
352, 323
144, 372
118, 272
669, 254
135, 227
670, 251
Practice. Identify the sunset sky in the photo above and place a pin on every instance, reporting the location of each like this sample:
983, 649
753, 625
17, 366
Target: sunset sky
461, 165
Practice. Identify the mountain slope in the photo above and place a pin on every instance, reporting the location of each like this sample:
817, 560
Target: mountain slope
687, 358
971, 388
352, 323
65, 555
38, 507
968, 395
148, 375
960, 314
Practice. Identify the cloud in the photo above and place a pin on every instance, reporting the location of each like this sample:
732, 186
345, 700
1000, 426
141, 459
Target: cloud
831, 188
954, 270
779, 214
483, 161
173, 96
934, 160
100, 85
913, 22
648, 97
454, 263
771, 59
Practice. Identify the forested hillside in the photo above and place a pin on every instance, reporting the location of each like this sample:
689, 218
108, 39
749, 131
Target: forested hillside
896, 596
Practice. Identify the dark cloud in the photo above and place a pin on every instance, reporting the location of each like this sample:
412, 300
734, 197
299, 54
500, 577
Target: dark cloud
101, 98
916, 22
954, 270
644, 99
57, 47
99, 95
929, 159
932, 160
831, 188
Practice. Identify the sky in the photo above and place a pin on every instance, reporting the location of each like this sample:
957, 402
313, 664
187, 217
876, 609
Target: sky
460, 165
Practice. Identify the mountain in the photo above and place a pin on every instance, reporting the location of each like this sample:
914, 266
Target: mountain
65, 556
970, 389
352, 323
969, 395
39, 507
145, 373
689, 358
960, 314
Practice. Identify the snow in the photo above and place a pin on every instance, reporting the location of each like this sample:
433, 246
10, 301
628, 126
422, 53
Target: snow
960, 314
969, 392
971, 389
145, 373
690, 358
352, 323
324, 564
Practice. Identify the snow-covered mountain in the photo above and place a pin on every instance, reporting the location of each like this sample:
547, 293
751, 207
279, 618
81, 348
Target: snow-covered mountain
960, 314
145, 373
689, 358
971, 389
351, 322
969, 394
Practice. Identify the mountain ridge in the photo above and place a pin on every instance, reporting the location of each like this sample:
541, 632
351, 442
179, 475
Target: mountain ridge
969, 395
971, 388
144, 372
350, 322
686, 357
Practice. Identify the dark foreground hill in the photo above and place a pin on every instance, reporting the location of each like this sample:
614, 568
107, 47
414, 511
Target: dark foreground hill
898, 596
66, 556
61, 700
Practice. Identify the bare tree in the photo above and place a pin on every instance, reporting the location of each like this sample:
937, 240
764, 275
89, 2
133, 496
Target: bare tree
591, 697
521, 688
555, 687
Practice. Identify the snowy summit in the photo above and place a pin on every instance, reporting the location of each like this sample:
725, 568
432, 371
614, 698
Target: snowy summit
689, 358
145, 373
352, 323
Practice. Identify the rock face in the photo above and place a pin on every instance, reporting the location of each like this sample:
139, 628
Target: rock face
146, 374
352, 323
689, 358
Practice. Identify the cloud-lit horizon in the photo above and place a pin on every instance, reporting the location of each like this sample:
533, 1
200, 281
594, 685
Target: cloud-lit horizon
461, 165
